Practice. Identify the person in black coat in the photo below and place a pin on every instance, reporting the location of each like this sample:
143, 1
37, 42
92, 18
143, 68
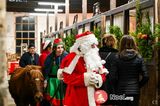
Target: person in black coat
30, 57
127, 69
108, 53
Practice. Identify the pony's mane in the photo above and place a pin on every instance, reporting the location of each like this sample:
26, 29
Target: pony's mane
35, 71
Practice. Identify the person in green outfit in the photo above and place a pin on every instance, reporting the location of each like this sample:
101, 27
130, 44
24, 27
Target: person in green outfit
54, 88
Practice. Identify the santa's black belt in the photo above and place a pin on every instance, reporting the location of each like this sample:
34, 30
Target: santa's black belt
52, 76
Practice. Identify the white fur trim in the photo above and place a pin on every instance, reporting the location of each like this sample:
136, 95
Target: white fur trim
46, 44
65, 70
88, 38
91, 98
74, 47
103, 71
100, 81
103, 61
72, 65
60, 74
87, 78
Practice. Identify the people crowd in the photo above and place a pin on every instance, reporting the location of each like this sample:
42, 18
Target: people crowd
71, 79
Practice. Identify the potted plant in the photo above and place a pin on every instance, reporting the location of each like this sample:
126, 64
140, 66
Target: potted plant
115, 30
157, 34
144, 37
97, 33
69, 41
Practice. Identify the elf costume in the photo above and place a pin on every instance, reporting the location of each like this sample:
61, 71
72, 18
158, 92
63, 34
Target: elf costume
55, 87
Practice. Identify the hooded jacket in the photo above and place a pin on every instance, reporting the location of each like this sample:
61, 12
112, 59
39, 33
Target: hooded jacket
127, 68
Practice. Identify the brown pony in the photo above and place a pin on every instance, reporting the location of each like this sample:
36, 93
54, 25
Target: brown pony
26, 85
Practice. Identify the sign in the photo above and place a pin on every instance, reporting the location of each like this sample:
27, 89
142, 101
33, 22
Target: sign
100, 96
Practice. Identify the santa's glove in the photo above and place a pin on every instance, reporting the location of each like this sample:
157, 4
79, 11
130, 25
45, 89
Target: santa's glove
87, 77
96, 80
60, 74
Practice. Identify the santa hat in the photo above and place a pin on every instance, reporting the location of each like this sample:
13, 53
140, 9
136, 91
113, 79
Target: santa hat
58, 41
45, 44
86, 37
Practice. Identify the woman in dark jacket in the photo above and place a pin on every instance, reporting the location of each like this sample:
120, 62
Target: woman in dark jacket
107, 53
128, 66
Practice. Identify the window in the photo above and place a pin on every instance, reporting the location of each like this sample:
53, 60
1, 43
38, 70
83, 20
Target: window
25, 32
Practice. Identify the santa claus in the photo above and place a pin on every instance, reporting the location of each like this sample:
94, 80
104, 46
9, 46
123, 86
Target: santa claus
82, 70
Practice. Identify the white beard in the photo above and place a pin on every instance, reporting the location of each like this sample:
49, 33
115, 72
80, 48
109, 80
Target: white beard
93, 60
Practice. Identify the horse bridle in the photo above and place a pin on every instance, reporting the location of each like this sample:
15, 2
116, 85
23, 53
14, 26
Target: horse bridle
35, 80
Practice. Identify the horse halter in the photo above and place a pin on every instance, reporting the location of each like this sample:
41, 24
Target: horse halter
36, 79
36, 83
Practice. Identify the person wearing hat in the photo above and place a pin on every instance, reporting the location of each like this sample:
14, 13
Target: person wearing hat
47, 48
30, 57
54, 86
83, 71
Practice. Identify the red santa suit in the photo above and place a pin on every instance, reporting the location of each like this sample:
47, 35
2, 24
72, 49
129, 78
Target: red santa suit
80, 91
